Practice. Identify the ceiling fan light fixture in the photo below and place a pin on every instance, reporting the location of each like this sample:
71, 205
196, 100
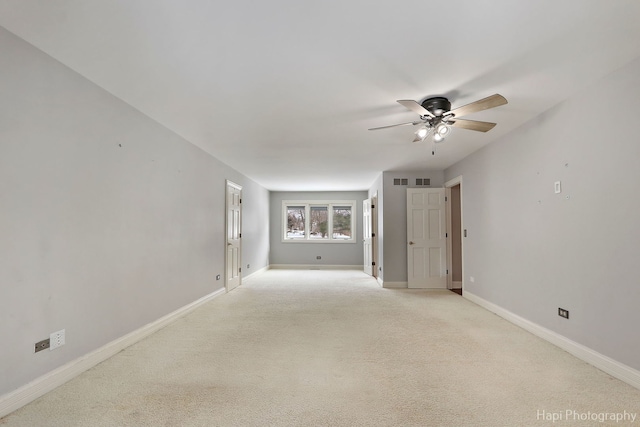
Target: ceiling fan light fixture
443, 130
422, 132
436, 113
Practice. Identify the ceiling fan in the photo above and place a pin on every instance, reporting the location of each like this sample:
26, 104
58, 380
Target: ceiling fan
437, 116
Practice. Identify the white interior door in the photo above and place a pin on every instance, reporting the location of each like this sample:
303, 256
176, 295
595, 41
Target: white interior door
233, 269
366, 234
374, 235
426, 239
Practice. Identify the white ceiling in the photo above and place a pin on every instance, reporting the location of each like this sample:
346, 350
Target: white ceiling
285, 90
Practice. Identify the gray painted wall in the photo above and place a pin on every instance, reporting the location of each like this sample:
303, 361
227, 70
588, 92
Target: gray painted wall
305, 253
108, 222
532, 251
255, 224
395, 220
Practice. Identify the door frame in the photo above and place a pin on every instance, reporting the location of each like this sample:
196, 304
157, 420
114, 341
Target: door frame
447, 185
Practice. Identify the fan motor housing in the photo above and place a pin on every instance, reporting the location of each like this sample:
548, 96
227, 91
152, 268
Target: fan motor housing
437, 105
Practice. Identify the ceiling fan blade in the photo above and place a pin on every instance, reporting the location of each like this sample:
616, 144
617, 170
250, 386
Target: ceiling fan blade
415, 107
471, 124
399, 124
483, 104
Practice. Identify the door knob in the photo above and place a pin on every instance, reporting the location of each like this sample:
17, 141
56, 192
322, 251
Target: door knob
411, 243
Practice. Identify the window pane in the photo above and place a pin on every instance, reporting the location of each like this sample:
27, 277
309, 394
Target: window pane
295, 222
319, 222
341, 222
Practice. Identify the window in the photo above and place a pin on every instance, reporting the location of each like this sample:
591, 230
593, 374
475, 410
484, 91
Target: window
342, 222
295, 222
318, 221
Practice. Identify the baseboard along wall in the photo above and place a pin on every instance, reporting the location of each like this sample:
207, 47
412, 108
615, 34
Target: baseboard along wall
612, 367
53, 379
315, 267
395, 285
255, 273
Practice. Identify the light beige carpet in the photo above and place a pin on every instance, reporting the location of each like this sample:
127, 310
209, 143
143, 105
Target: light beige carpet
331, 348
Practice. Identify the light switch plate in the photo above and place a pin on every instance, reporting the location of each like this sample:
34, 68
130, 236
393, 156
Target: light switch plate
557, 187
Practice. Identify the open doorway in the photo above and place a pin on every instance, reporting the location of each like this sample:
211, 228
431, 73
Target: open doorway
233, 249
454, 230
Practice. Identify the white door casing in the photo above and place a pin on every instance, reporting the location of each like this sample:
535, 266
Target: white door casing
455, 263
366, 234
426, 239
233, 270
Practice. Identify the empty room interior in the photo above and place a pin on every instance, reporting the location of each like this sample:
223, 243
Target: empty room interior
165, 161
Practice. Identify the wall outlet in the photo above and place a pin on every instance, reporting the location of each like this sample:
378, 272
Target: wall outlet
563, 313
248, 266
472, 279
42, 345
56, 339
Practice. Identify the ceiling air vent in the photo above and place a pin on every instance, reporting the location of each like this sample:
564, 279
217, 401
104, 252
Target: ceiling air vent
423, 181
400, 181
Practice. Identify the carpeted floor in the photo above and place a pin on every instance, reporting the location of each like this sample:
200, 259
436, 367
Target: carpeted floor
331, 348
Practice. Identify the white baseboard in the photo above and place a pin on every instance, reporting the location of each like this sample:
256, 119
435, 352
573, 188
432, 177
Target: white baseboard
395, 285
255, 273
612, 367
380, 282
315, 267
44, 384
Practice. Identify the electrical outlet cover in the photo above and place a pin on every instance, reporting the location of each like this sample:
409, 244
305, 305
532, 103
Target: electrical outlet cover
56, 339
42, 345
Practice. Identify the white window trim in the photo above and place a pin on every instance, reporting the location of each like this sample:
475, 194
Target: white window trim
307, 217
